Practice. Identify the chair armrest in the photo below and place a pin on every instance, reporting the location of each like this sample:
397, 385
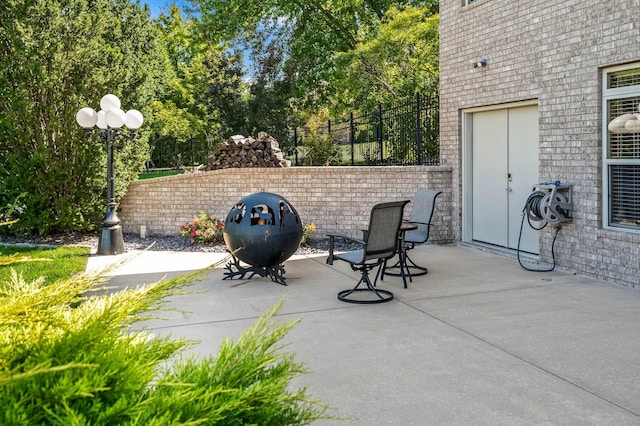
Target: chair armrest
344, 237
332, 237
418, 223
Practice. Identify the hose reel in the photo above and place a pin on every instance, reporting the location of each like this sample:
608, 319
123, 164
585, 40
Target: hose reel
549, 203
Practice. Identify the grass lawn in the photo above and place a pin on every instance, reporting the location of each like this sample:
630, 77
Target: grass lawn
152, 175
51, 263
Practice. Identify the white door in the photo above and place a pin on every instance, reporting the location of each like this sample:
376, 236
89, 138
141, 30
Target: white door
504, 149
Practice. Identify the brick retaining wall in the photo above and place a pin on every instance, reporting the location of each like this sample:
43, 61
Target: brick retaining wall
337, 199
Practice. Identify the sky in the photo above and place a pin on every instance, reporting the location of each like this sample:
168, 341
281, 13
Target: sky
159, 6
162, 6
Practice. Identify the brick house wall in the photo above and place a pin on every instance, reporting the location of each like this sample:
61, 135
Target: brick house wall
337, 199
554, 52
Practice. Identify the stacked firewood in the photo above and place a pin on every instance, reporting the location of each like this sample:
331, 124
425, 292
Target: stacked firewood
241, 151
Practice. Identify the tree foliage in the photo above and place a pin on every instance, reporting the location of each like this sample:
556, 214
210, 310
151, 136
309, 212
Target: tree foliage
185, 73
272, 82
57, 56
202, 97
330, 46
321, 148
399, 60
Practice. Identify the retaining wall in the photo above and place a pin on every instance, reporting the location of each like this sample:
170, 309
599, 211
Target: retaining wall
337, 199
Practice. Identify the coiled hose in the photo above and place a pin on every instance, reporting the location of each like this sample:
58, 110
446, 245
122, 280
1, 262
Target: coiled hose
533, 208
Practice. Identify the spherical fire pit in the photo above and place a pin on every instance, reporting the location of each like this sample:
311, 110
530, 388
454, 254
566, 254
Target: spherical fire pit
262, 230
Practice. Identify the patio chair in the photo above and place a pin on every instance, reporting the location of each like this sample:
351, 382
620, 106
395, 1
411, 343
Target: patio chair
379, 243
424, 203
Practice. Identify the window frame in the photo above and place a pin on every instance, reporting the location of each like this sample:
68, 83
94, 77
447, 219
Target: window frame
619, 93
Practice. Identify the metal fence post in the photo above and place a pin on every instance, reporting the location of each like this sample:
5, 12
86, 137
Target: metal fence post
379, 131
193, 153
352, 137
418, 129
295, 144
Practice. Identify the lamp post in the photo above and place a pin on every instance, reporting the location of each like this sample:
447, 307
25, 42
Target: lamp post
109, 121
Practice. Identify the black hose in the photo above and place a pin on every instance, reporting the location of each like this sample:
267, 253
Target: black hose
533, 212
533, 209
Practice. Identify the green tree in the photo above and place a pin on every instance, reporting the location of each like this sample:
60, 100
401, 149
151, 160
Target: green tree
224, 94
394, 64
57, 56
271, 87
175, 107
313, 31
201, 98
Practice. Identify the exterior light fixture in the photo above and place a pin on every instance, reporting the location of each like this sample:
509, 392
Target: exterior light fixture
109, 120
481, 63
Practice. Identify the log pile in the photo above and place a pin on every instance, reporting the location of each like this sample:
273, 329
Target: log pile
240, 151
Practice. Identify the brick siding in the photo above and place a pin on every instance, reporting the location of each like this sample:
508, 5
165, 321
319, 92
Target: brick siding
552, 51
336, 199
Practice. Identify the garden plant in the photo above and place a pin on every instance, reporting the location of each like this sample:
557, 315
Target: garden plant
307, 231
205, 229
68, 356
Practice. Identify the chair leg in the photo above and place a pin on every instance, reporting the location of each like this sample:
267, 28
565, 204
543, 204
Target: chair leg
406, 268
402, 267
382, 295
413, 265
380, 273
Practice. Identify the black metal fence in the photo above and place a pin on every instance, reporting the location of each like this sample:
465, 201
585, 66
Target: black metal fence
168, 153
404, 134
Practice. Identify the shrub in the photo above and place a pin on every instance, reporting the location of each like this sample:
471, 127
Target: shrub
322, 149
10, 209
72, 359
43, 152
203, 230
307, 232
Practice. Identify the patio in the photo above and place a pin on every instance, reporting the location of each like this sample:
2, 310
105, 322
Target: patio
476, 341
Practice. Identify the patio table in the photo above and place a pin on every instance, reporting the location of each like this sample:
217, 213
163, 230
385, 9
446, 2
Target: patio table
401, 251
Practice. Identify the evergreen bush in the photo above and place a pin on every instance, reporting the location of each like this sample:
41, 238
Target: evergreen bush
68, 358
56, 57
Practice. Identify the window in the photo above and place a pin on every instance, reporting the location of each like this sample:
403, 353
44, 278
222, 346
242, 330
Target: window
621, 147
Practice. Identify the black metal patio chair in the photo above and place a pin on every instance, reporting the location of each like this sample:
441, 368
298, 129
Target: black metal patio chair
422, 209
379, 243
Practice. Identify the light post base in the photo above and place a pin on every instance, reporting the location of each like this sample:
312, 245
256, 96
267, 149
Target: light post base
111, 240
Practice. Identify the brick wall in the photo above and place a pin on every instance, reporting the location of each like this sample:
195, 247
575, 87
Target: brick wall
552, 51
337, 199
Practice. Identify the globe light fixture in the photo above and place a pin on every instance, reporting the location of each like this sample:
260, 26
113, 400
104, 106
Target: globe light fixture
109, 121
102, 120
87, 117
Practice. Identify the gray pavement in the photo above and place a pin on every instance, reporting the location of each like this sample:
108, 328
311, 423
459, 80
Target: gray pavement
477, 341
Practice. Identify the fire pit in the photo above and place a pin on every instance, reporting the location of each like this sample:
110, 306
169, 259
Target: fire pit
262, 230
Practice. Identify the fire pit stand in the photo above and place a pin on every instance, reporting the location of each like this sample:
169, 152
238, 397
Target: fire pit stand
261, 230
276, 273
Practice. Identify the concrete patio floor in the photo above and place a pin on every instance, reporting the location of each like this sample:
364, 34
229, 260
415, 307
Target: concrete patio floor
477, 341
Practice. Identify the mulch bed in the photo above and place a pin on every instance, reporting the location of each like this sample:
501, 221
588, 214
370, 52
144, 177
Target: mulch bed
157, 243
